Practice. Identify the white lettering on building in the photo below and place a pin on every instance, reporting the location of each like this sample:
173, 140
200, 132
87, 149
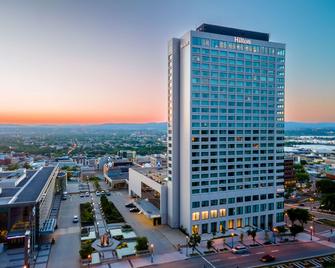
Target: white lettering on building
242, 40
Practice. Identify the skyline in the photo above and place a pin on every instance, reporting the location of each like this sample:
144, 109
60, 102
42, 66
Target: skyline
105, 62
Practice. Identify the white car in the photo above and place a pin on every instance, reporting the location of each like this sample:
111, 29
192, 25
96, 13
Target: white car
239, 249
75, 219
87, 194
97, 193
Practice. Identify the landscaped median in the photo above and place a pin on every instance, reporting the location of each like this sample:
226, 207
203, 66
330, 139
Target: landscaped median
111, 213
86, 214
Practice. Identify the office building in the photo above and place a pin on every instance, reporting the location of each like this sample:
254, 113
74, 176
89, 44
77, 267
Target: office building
225, 130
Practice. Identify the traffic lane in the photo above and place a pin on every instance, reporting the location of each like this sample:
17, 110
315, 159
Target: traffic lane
283, 252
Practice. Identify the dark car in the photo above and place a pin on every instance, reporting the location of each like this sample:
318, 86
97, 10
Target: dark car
302, 205
267, 258
133, 210
130, 205
108, 193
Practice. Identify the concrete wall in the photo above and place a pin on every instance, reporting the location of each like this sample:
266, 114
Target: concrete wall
134, 187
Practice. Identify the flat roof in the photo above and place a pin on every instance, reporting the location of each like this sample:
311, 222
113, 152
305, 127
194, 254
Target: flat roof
216, 29
34, 187
156, 174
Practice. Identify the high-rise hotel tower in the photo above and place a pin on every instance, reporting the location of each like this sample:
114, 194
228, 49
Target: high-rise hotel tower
225, 130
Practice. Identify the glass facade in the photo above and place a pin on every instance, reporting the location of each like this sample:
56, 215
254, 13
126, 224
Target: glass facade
237, 132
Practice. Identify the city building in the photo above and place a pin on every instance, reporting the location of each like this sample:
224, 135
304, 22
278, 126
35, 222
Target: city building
127, 154
148, 186
225, 130
289, 178
116, 173
26, 204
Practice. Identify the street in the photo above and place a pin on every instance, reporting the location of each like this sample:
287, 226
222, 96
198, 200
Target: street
284, 252
65, 252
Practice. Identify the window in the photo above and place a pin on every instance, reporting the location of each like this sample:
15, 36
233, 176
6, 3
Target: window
204, 215
222, 212
214, 213
195, 216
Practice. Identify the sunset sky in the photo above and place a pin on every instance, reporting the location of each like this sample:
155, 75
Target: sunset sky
106, 61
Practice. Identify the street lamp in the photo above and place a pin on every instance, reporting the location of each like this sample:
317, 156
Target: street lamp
187, 240
232, 240
285, 218
311, 228
152, 252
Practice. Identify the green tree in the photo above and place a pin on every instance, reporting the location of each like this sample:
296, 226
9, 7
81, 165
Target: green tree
194, 241
295, 229
291, 215
303, 216
142, 243
325, 186
328, 202
13, 166
26, 165
210, 243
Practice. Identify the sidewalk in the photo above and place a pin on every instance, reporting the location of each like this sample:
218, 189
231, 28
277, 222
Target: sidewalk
146, 260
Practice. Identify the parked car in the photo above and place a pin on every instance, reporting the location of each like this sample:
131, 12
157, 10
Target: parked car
239, 249
81, 195
87, 194
267, 258
75, 219
103, 192
97, 193
108, 193
134, 210
130, 205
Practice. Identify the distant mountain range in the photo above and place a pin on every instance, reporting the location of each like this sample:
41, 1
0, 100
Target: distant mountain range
291, 128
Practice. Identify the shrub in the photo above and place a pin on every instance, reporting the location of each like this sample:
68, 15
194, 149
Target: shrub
86, 249
141, 243
86, 214
112, 215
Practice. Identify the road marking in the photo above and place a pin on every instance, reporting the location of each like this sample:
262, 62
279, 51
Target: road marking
262, 252
232, 258
276, 250
245, 255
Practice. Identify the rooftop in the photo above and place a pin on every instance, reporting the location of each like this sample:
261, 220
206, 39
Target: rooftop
215, 29
156, 174
28, 189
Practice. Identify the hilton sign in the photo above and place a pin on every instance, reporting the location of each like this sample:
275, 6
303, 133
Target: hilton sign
242, 40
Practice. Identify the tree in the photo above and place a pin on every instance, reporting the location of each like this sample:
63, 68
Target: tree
13, 166
253, 234
194, 241
210, 244
26, 165
328, 202
325, 186
299, 214
281, 230
303, 216
302, 177
291, 215
295, 229
86, 249
141, 243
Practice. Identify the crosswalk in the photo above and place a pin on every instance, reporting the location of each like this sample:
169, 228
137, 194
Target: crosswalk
310, 263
